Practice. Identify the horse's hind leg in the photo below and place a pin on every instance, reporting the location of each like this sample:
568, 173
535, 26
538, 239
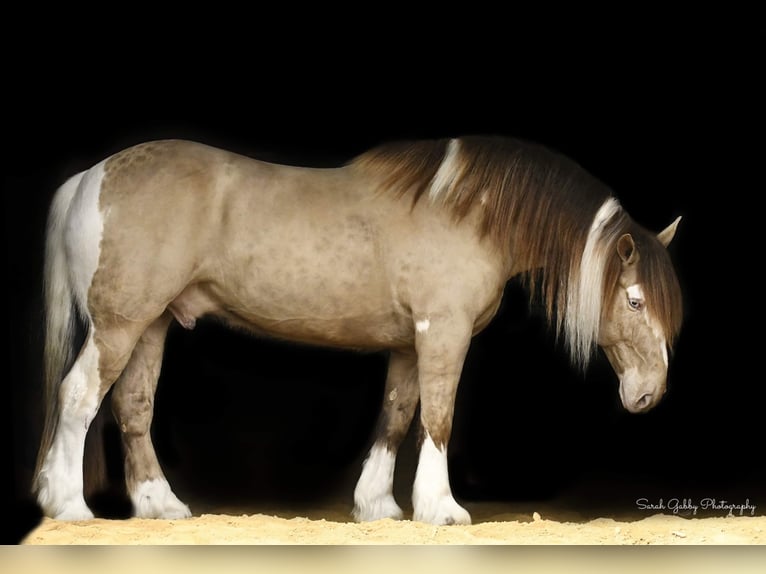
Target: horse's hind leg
101, 360
373, 496
133, 406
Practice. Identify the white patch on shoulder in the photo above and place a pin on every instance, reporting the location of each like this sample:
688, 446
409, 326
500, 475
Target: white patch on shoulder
423, 325
154, 499
445, 175
431, 494
373, 495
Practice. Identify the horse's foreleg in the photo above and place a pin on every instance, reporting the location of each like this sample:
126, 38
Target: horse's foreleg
133, 406
60, 479
373, 496
441, 352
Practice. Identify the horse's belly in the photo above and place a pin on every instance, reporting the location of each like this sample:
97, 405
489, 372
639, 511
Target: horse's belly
360, 332
321, 278
304, 315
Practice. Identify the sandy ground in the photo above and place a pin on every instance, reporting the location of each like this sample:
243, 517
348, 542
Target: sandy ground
334, 528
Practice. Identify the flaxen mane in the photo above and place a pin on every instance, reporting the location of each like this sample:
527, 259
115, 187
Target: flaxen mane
550, 216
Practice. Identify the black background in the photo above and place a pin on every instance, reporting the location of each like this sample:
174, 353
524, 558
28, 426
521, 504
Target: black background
670, 120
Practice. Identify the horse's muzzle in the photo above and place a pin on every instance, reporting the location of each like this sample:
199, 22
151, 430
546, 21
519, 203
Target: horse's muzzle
639, 399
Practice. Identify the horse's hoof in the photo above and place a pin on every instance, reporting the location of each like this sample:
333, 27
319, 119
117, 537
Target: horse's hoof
384, 507
442, 512
75, 511
154, 499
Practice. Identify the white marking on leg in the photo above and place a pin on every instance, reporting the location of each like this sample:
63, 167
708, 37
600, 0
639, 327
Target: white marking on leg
423, 325
431, 494
373, 495
61, 476
154, 499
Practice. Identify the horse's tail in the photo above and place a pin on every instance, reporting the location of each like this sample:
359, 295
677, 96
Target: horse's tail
60, 318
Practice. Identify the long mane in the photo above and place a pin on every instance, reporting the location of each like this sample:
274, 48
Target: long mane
557, 223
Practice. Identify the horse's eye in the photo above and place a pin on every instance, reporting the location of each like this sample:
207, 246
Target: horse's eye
635, 304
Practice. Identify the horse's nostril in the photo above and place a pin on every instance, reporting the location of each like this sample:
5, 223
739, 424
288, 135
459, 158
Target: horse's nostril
645, 401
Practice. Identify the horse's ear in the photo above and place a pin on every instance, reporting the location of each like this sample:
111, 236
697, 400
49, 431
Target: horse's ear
666, 235
626, 249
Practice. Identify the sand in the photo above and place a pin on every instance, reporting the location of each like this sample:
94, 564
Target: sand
336, 529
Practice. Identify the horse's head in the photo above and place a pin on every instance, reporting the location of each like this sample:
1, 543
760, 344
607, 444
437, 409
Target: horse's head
642, 317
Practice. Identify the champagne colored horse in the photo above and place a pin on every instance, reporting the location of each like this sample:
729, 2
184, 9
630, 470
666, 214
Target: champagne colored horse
407, 249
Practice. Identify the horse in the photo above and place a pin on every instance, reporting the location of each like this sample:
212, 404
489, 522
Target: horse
405, 249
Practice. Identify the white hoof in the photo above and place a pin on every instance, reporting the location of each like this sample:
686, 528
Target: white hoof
378, 509
154, 499
76, 510
441, 511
